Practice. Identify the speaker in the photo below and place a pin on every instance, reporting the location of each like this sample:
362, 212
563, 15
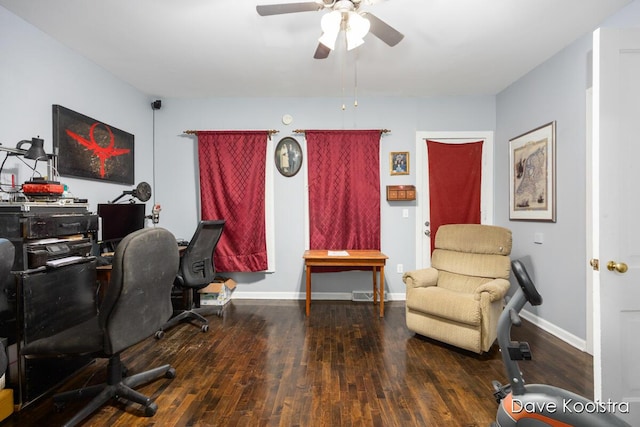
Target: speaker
156, 105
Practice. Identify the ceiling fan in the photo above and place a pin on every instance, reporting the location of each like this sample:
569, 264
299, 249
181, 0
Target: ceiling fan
343, 16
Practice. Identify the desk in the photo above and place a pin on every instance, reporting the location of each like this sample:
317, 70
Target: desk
48, 302
103, 273
37, 301
355, 258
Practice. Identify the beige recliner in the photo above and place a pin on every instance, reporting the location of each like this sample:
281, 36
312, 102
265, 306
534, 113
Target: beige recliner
459, 298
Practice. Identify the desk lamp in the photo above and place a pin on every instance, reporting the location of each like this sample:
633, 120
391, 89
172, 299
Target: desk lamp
142, 192
35, 152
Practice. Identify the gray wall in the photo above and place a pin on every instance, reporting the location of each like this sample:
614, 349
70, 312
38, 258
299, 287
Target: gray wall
555, 90
36, 71
402, 116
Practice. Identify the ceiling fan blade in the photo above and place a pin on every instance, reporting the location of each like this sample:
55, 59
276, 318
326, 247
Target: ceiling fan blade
321, 51
278, 9
382, 30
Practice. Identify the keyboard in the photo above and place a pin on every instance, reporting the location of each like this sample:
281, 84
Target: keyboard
60, 262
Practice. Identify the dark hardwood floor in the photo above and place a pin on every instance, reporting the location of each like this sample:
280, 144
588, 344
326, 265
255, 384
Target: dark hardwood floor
265, 364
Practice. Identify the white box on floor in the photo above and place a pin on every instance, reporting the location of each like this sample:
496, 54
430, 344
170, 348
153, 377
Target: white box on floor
218, 292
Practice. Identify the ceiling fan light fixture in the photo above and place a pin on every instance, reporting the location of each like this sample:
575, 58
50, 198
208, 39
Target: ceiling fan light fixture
357, 28
353, 41
358, 24
330, 24
340, 15
329, 40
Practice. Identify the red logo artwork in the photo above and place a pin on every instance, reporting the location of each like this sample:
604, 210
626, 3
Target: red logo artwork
103, 153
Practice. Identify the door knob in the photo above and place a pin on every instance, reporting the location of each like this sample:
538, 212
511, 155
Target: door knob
620, 267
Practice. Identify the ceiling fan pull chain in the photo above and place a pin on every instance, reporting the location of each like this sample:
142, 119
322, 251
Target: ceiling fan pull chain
342, 72
355, 83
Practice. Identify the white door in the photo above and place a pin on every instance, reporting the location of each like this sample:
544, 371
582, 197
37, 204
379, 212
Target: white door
421, 162
616, 145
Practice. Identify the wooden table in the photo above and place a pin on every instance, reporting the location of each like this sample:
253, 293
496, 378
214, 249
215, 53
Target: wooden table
354, 258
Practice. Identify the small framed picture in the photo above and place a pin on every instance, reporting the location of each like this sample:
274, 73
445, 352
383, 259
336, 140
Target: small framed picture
288, 156
532, 175
399, 162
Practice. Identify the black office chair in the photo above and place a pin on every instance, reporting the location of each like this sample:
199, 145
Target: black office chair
7, 254
197, 270
136, 303
7, 257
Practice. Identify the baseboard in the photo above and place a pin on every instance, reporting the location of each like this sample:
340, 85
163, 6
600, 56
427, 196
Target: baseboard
554, 330
364, 296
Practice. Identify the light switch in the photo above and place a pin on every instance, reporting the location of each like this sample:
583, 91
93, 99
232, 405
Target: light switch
405, 213
538, 238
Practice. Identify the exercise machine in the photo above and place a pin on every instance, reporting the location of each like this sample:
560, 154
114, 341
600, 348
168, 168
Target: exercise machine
530, 405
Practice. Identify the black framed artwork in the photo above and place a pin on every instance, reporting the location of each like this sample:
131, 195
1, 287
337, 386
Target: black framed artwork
90, 149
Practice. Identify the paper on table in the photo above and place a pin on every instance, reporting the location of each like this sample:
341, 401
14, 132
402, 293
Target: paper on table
337, 253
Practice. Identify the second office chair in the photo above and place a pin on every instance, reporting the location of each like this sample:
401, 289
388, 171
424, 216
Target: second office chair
196, 271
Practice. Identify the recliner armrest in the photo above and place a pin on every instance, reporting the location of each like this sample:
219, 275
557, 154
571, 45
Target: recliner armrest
421, 278
497, 289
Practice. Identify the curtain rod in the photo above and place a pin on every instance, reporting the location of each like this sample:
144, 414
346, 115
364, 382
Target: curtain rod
304, 131
195, 132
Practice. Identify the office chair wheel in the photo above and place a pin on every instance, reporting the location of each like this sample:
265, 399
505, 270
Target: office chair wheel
150, 410
204, 328
171, 373
159, 335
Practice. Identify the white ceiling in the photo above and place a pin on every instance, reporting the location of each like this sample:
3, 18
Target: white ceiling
220, 48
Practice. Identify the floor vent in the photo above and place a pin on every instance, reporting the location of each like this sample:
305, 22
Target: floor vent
363, 296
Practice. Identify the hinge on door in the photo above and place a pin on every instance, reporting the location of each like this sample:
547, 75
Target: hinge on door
595, 264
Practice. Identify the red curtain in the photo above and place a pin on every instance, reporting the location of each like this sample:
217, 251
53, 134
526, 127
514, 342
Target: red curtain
344, 189
455, 172
232, 187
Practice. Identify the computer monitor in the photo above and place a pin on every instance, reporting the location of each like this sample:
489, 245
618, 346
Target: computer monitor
120, 219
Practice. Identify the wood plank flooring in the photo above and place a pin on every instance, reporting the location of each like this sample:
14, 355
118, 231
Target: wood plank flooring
264, 363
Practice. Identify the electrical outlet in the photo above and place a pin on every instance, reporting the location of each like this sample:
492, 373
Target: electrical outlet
399, 268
